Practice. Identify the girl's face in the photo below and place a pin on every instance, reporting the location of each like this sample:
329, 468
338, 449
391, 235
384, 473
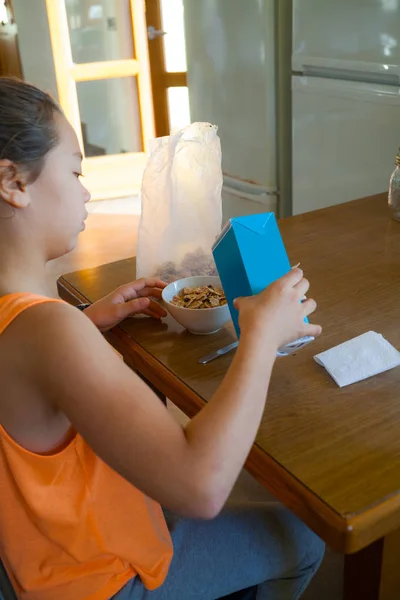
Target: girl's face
56, 207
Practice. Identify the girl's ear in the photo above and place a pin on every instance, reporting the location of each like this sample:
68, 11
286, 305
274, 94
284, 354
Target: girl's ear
13, 188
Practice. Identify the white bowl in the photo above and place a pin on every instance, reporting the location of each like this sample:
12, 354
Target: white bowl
200, 321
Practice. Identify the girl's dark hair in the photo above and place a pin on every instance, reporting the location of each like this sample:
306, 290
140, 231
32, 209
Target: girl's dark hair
27, 128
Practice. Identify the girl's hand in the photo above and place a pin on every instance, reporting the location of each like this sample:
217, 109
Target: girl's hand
129, 299
276, 315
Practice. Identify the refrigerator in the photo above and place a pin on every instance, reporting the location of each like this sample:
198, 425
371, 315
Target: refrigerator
306, 94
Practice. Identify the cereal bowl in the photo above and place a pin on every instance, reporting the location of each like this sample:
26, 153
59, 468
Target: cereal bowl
201, 321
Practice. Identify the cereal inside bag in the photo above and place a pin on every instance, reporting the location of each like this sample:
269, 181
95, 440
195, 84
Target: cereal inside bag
193, 264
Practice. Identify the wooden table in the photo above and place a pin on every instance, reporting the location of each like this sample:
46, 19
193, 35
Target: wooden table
331, 455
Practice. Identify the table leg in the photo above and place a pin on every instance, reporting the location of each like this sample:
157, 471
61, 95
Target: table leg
362, 573
374, 573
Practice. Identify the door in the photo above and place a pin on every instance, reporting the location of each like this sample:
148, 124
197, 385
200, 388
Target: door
10, 64
103, 77
167, 51
345, 139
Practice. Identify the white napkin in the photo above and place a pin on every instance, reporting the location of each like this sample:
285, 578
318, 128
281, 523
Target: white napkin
359, 358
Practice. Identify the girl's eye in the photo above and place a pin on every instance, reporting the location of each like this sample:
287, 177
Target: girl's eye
78, 175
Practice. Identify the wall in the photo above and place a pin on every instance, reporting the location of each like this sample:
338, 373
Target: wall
34, 44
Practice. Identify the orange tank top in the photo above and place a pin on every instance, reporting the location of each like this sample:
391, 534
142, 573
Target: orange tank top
71, 528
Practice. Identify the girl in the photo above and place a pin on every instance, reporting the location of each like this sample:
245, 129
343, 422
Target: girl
88, 453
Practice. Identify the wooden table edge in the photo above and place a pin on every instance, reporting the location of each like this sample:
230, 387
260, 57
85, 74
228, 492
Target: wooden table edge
344, 533
69, 293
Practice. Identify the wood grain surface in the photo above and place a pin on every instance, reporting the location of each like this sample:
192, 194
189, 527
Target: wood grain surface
331, 455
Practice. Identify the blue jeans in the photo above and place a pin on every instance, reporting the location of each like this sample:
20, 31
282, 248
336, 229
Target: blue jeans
253, 544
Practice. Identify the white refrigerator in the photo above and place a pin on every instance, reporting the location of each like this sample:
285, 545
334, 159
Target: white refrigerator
306, 94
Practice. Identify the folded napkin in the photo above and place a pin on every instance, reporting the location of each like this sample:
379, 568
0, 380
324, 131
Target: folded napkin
359, 358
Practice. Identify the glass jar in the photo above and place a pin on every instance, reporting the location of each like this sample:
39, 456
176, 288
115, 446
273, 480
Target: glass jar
394, 191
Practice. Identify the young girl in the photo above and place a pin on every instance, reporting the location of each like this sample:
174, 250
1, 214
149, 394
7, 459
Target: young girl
88, 453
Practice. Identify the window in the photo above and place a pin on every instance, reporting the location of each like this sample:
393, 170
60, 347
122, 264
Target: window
3, 12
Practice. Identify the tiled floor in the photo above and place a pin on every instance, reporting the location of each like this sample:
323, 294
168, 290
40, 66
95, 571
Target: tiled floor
111, 234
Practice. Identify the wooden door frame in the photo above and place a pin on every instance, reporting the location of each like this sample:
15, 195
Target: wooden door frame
10, 60
69, 73
161, 80
116, 170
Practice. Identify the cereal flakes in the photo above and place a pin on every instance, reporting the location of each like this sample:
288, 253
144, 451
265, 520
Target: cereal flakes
206, 296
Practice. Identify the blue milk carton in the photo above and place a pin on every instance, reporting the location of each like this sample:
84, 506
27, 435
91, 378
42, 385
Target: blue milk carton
250, 255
